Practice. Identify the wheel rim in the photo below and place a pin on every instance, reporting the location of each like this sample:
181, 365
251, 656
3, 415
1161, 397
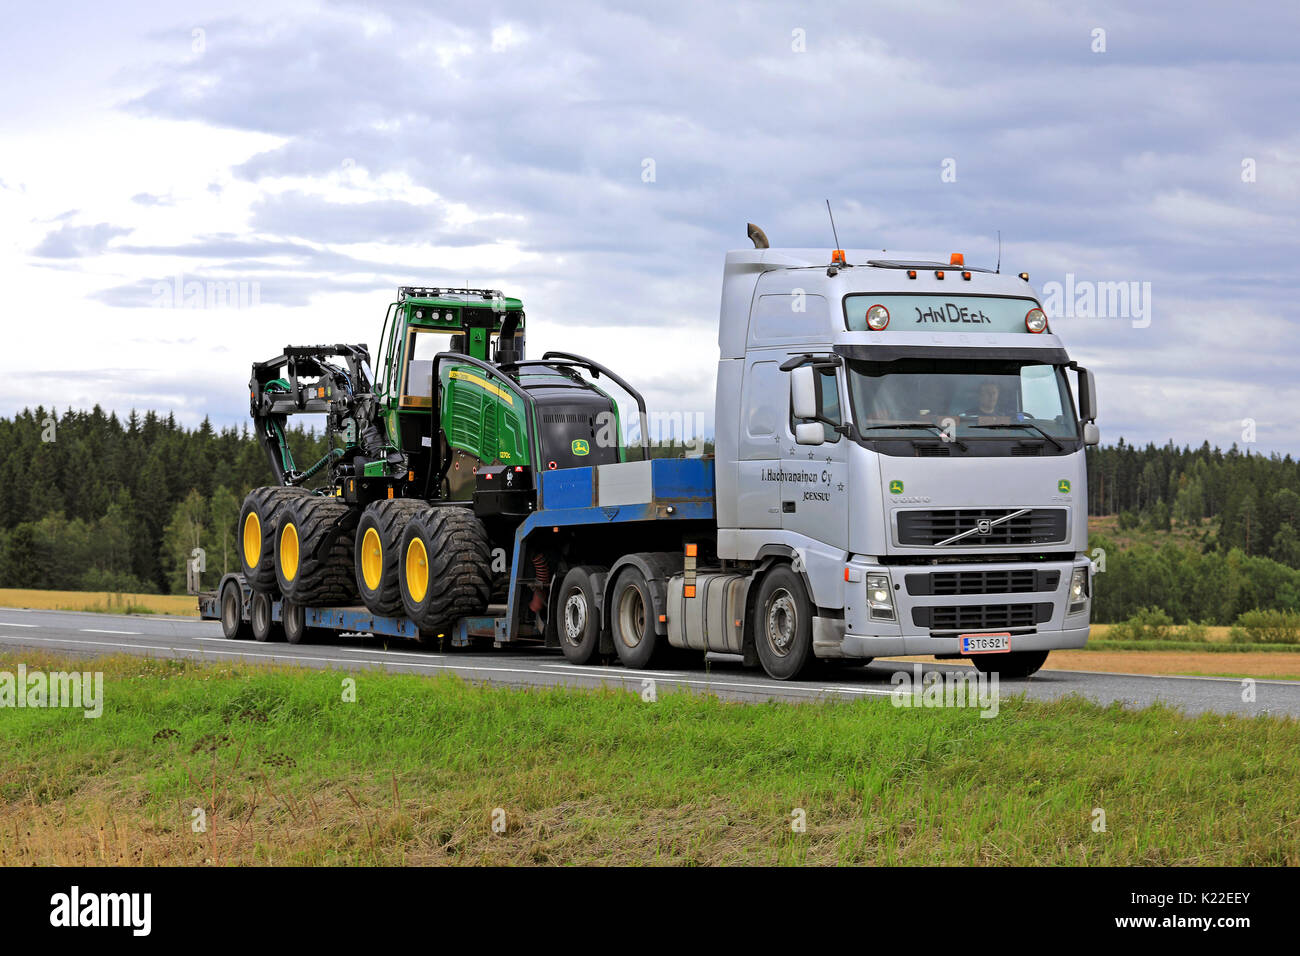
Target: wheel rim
417, 570
289, 551
575, 617
631, 616
252, 540
372, 559
781, 622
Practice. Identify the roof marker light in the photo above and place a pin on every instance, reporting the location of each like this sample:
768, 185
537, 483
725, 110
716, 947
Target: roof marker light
966, 276
1024, 277
1036, 320
938, 274
911, 273
877, 318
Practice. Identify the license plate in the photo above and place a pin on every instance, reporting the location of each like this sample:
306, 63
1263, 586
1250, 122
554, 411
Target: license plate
986, 643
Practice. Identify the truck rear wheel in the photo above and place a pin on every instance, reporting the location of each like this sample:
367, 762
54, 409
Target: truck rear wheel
259, 617
1012, 665
783, 624
631, 619
377, 552
446, 567
233, 625
313, 553
257, 522
579, 614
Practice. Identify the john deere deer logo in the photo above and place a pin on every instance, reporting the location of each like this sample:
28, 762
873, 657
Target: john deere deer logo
895, 487
1063, 486
580, 447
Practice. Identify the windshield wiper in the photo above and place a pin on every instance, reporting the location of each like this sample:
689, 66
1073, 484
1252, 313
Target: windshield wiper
926, 425
1023, 425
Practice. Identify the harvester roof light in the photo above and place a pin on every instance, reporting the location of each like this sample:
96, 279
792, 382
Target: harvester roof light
1036, 320
956, 259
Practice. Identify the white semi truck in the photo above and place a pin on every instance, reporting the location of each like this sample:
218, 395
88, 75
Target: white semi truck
899, 470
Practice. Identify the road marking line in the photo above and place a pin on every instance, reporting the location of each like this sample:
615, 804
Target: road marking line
95, 630
9, 624
620, 671
366, 650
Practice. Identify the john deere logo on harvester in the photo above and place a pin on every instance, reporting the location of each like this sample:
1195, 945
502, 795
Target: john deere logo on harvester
580, 447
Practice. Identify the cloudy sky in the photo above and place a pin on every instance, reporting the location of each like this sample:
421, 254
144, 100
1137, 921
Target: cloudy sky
599, 159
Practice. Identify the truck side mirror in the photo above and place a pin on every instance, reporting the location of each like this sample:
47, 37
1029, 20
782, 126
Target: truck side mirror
809, 433
1091, 433
1087, 396
803, 393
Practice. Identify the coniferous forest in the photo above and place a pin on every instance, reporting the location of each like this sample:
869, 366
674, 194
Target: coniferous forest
93, 501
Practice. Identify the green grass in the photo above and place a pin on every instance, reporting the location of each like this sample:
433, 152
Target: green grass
411, 773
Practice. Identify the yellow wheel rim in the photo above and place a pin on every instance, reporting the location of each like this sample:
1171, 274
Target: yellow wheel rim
252, 540
289, 551
417, 570
372, 559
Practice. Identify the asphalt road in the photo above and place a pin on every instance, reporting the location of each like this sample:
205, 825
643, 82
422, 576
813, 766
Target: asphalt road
95, 634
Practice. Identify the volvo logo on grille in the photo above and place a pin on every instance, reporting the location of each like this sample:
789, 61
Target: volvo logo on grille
984, 526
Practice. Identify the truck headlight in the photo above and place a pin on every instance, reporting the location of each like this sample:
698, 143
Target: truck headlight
1078, 590
880, 597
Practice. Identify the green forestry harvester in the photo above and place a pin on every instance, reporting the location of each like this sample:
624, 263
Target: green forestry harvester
431, 466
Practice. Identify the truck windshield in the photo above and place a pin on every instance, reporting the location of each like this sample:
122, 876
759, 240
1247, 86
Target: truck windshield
985, 398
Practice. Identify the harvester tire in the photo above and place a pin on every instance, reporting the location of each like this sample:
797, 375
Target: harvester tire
446, 567
313, 553
257, 523
377, 552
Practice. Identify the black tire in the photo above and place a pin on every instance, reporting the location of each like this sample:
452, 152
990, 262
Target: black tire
256, 533
259, 618
1016, 664
446, 568
296, 631
578, 614
313, 553
783, 624
631, 619
233, 625
376, 555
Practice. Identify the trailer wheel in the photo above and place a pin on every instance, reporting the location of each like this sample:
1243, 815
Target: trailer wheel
313, 554
578, 615
257, 522
783, 624
233, 625
631, 619
377, 552
446, 568
296, 630
259, 617
1013, 665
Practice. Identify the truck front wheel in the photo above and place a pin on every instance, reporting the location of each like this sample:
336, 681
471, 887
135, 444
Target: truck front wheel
783, 624
1015, 664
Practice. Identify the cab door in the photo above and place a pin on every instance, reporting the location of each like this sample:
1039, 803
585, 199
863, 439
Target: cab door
814, 478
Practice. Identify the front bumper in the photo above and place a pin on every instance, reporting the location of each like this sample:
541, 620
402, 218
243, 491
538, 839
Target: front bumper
858, 635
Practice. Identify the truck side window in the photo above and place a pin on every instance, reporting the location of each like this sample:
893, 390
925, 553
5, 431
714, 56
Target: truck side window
828, 403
